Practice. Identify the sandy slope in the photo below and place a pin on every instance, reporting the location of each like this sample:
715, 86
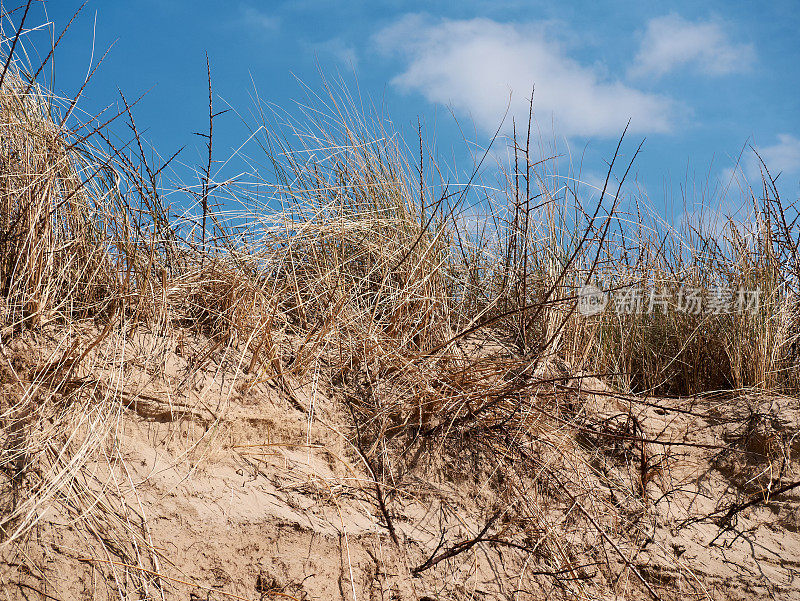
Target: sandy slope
207, 488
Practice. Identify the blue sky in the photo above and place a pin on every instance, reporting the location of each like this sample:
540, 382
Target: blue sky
697, 80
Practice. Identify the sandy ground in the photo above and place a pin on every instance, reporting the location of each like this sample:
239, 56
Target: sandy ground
256, 492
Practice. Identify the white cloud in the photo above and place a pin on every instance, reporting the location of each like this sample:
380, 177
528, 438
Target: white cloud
257, 18
671, 42
341, 51
474, 65
783, 157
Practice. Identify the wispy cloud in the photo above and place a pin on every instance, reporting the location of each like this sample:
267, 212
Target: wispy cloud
781, 157
260, 19
474, 65
340, 50
671, 42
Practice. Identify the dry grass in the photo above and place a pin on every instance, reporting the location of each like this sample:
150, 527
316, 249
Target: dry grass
351, 266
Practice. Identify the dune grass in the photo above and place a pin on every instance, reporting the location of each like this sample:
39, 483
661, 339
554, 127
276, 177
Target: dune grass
437, 332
